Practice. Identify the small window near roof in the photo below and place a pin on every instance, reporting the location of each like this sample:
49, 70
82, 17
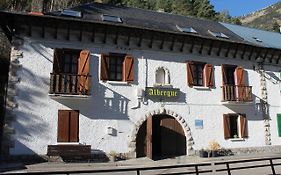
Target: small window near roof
257, 39
186, 29
218, 34
73, 13
111, 18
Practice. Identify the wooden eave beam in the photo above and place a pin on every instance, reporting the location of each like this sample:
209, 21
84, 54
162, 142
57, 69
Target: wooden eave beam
173, 42
278, 58
43, 31
29, 29
192, 39
151, 40
211, 47
244, 51
272, 55
162, 42
105, 35
258, 54
266, 53
201, 47
182, 44
68, 32
251, 53
116, 36
81, 32
129, 38
236, 51
93, 38
219, 48
140, 39
228, 50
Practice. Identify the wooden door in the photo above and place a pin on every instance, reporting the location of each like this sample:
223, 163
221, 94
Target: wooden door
173, 141
149, 133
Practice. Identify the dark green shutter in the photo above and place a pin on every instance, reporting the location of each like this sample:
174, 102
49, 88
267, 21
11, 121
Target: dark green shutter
279, 124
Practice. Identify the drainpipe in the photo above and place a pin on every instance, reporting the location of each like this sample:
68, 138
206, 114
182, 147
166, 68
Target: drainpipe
264, 102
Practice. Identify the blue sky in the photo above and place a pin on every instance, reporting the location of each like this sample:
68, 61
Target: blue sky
241, 7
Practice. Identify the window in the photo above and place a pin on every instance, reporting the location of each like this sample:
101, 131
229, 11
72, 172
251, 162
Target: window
68, 126
200, 74
186, 29
117, 67
71, 72
233, 84
235, 126
111, 18
218, 34
162, 76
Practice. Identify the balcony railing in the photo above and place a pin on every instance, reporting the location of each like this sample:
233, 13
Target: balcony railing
70, 84
237, 93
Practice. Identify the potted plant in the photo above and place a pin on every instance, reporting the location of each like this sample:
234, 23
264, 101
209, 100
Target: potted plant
214, 146
203, 152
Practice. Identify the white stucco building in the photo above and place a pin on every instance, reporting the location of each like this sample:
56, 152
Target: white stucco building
122, 80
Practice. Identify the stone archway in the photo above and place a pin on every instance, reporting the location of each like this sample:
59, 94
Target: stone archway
161, 111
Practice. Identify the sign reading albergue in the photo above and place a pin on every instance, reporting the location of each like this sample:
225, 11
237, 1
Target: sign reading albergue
162, 94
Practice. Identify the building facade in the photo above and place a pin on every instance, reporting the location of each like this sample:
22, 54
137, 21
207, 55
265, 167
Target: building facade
111, 78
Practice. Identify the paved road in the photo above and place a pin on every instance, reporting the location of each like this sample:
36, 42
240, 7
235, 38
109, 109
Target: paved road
144, 162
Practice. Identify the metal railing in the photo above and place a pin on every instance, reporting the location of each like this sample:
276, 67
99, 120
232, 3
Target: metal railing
199, 168
73, 84
237, 93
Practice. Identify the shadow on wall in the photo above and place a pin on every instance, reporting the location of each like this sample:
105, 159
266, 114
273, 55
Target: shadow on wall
103, 104
254, 111
29, 124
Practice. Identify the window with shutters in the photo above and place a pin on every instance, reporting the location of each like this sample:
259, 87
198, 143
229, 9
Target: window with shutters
234, 87
117, 67
200, 74
235, 126
68, 126
71, 72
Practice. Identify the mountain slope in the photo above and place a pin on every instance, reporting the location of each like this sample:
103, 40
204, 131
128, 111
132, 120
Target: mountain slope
265, 18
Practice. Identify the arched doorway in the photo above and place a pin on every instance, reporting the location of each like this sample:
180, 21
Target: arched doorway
160, 136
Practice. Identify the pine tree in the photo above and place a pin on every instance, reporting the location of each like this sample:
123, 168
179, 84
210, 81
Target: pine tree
275, 27
204, 9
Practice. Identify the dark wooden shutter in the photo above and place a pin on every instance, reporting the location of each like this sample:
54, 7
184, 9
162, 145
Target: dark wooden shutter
209, 75
74, 126
239, 76
189, 69
279, 124
224, 78
58, 61
243, 126
226, 126
63, 126
104, 67
84, 72
149, 137
128, 69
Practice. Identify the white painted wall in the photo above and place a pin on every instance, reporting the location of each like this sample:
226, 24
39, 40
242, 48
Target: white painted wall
110, 104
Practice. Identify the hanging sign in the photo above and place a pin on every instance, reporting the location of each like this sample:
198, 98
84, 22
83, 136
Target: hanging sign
162, 94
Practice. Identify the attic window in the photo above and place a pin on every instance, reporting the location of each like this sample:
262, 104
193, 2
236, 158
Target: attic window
186, 29
257, 39
218, 34
111, 18
73, 13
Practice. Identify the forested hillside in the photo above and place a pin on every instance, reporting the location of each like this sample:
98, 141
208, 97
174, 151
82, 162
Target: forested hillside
268, 18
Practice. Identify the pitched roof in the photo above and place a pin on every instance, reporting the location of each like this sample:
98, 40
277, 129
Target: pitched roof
151, 20
256, 36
